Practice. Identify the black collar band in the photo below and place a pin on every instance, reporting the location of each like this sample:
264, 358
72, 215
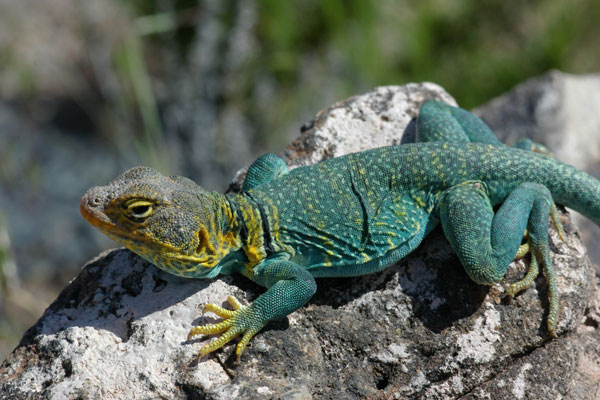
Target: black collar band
243, 227
267, 239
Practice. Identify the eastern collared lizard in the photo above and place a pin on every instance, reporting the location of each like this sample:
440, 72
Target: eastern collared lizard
348, 216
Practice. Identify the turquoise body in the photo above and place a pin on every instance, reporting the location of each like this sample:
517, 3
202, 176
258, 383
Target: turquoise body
357, 214
354, 214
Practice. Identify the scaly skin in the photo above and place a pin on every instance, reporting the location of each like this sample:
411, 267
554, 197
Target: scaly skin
349, 216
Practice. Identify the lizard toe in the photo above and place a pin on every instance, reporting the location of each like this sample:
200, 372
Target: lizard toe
242, 320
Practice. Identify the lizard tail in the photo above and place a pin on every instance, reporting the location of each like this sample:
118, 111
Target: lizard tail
575, 189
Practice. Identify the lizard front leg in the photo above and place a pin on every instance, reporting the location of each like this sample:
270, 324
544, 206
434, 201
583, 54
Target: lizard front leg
264, 169
289, 285
486, 243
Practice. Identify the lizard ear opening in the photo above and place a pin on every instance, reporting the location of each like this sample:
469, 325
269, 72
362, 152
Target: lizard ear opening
202, 241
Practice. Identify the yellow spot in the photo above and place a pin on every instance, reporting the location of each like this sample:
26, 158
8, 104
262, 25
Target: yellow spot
365, 257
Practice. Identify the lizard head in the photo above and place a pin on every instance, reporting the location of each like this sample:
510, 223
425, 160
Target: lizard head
168, 220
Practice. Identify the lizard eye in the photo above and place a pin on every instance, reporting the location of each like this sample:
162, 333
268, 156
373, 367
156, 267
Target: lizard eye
138, 209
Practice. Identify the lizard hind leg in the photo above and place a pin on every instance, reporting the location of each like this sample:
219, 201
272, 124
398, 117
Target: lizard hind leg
486, 243
441, 122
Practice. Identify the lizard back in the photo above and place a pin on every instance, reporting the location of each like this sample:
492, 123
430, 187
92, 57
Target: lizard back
376, 206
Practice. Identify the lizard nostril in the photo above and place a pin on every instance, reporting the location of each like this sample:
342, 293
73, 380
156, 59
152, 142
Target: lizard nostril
95, 201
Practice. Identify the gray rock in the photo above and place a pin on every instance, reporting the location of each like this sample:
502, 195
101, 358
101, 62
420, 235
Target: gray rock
560, 111
420, 329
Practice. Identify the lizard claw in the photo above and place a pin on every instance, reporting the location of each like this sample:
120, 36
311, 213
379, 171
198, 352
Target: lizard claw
242, 319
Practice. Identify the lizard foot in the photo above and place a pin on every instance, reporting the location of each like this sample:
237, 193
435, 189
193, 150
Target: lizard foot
525, 248
242, 319
532, 273
540, 252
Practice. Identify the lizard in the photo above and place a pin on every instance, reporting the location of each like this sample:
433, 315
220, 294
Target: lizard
351, 215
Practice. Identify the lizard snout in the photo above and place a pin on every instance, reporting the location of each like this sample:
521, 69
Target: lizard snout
92, 204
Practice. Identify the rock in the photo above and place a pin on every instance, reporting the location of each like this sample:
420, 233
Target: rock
420, 329
560, 111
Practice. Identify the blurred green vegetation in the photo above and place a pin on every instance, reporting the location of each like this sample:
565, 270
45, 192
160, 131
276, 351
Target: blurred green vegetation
308, 53
475, 49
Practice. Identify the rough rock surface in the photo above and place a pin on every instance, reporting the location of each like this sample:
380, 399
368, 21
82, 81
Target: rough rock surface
420, 329
561, 111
